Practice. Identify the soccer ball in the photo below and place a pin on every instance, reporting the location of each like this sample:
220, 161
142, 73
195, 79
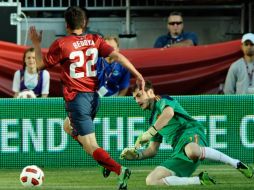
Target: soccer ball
26, 94
32, 176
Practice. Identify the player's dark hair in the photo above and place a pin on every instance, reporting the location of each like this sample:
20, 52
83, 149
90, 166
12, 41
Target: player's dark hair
75, 17
148, 86
24, 56
176, 13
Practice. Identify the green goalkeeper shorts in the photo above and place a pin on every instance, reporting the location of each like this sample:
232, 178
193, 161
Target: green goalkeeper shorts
179, 162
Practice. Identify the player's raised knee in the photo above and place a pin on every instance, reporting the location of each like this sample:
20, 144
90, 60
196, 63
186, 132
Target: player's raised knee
67, 126
192, 150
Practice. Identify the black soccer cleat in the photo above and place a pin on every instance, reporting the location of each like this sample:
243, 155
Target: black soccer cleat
105, 172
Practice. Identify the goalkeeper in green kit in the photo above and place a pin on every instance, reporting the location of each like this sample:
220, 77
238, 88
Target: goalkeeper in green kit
169, 120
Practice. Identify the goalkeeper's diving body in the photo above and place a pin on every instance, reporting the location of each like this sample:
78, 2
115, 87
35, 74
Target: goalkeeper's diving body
185, 134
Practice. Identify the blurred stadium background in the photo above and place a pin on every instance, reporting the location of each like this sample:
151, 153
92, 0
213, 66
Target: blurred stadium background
213, 20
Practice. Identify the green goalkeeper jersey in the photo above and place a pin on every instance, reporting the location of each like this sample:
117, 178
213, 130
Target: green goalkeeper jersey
180, 124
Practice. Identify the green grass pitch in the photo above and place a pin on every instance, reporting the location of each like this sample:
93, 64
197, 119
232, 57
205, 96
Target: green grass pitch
91, 178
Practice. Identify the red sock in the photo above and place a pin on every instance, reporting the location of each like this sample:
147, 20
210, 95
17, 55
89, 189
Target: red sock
104, 159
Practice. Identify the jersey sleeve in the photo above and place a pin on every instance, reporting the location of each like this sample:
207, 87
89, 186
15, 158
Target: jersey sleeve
54, 55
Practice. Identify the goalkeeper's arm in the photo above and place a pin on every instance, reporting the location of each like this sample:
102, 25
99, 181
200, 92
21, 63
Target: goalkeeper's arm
151, 150
134, 154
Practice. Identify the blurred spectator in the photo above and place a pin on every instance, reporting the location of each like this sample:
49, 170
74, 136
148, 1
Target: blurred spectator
114, 79
240, 78
28, 80
176, 36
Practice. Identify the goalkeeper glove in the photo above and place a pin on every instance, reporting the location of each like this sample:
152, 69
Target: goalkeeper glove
131, 154
145, 137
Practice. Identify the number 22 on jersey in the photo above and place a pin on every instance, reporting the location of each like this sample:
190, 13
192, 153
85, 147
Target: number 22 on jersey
93, 52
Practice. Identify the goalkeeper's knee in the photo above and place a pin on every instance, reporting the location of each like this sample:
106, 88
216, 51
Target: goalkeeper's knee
193, 151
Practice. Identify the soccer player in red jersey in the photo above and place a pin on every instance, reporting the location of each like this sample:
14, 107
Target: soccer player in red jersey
77, 54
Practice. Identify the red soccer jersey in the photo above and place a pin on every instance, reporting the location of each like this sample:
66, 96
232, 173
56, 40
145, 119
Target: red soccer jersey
78, 57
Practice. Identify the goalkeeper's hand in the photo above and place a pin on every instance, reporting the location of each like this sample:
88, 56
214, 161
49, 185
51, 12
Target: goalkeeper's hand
144, 138
129, 154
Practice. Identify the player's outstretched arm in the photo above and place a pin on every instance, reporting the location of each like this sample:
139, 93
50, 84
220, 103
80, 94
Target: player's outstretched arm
36, 37
145, 137
164, 118
161, 122
118, 57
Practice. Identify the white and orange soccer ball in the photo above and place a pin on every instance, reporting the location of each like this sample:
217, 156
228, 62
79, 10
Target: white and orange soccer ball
32, 176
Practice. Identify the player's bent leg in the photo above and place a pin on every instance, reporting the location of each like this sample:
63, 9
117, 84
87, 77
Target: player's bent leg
157, 175
104, 159
164, 176
215, 155
69, 130
99, 154
193, 151
202, 179
89, 143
